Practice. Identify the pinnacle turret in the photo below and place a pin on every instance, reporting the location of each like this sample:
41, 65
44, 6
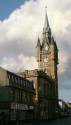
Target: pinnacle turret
52, 41
38, 43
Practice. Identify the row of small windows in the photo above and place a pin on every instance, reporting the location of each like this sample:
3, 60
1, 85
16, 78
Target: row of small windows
18, 96
20, 81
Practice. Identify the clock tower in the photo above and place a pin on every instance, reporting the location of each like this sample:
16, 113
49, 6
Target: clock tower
47, 54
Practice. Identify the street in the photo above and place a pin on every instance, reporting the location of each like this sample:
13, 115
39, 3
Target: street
64, 121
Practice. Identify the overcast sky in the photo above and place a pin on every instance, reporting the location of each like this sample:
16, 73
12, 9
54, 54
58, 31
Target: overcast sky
20, 23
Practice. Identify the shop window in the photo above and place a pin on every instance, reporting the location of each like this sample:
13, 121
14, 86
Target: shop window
13, 115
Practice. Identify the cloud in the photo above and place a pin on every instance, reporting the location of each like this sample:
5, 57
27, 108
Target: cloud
21, 63
19, 33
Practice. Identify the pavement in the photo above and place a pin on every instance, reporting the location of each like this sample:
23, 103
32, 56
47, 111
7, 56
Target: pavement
63, 121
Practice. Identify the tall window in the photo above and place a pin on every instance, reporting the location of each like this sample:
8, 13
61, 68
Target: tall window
45, 89
18, 81
12, 78
21, 81
40, 89
12, 95
9, 76
32, 98
24, 97
15, 79
19, 96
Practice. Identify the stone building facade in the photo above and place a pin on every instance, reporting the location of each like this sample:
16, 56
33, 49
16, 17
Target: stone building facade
45, 100
69, 108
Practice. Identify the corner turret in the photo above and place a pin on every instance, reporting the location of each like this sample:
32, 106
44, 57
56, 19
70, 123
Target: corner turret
38, 49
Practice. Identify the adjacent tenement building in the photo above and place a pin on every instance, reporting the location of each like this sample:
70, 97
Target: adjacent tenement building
69, 108
16, 97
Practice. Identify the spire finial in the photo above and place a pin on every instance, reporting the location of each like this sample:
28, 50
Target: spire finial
46, 9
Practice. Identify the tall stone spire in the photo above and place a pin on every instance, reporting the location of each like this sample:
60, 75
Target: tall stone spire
46, 28
46, 24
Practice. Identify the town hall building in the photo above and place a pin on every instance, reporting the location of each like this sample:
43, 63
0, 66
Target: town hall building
45, 78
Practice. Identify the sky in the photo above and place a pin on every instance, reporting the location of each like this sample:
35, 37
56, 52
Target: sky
20, 23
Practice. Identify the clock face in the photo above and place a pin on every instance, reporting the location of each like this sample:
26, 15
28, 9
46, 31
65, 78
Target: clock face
46, 59
46, 48
46, 72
